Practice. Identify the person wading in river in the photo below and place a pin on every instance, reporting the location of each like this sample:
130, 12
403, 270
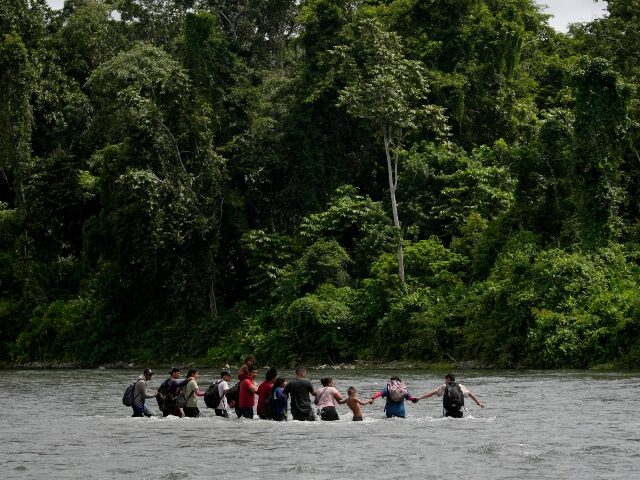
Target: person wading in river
299, 389
395, 392
169, 390
452, 394
248, 390
191, 393
222, 409
353, 402
140, 394
326, 398
264, 390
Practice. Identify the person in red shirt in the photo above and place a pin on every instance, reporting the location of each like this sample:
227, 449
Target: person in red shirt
264, 390
248, 389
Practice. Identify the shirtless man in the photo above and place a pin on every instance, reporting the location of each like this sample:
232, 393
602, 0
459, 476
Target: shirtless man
353, 402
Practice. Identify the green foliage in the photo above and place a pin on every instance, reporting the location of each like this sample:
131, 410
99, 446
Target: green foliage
403, 319
16, 77
385, 88
543, 169
133, 90
88, 38
207, 56
601, 118
321, 324
550, 308
204, 179
357, 223
324, 262
443, 186
266, 256
54, 328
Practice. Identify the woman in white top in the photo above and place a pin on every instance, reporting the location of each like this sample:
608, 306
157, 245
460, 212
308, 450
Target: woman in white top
326, 400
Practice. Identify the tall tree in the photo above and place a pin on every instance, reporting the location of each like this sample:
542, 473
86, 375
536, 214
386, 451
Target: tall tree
388, 91
155, 240
601, 119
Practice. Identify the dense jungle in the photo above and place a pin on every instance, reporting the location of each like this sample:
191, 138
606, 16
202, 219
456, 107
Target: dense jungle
319, 180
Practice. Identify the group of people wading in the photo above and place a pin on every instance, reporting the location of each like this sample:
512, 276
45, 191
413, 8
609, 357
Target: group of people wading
180, 397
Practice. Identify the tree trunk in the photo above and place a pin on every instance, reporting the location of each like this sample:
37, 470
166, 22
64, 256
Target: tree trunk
392, 171
213, 303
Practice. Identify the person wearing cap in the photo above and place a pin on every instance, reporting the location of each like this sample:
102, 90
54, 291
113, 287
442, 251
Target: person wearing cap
222, 409
170, 389
140, 394
449, 385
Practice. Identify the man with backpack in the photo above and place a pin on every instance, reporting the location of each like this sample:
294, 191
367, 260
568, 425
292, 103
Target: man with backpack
264, 390
452, 394
140, 394
216, 395
169, 391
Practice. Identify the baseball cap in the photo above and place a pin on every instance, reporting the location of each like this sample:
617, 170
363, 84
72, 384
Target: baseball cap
175, 369
225, 372
148, 371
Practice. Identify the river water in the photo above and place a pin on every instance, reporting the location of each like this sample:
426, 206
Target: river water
71, 424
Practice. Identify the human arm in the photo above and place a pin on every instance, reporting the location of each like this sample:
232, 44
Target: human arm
475, 399
428, 394
143, 391
182, 383
361, 402
251, 385
337, 396
378, 394
438, 391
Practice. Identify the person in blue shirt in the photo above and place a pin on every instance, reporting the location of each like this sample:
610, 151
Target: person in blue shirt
395, 392
280, 399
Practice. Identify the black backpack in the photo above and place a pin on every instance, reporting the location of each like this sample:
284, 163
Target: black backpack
128, 397
233, 395
212, 395
163, 391
453, 398
270, 405
174, 399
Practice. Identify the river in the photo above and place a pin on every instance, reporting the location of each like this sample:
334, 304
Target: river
71, 424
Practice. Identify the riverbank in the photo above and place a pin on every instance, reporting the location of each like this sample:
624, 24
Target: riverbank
356, 365
161, 365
